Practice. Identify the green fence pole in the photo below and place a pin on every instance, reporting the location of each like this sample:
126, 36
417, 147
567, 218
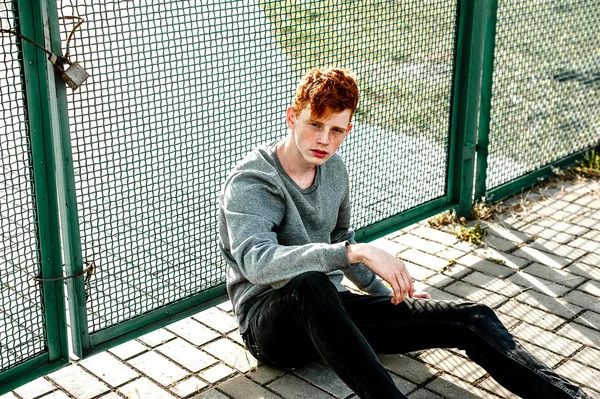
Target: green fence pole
65, 186
486, 100
465, 104
38, 73
46, 200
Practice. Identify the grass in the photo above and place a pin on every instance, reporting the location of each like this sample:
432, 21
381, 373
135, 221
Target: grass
483, 210
590, 165
473, 234
588, 168
443, 219
458, 226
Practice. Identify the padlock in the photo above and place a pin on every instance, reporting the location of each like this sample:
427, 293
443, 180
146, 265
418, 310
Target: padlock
75, 75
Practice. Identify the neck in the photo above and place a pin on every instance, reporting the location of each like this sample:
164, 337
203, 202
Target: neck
294, 165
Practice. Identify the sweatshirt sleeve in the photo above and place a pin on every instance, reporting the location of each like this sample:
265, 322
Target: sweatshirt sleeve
358, 273
254, 207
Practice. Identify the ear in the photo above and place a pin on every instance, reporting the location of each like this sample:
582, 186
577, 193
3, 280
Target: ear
350, 126
290, 118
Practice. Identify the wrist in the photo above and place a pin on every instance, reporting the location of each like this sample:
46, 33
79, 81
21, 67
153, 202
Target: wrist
356, 253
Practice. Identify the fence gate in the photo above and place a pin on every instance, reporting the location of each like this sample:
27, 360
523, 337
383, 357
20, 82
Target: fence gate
33, 332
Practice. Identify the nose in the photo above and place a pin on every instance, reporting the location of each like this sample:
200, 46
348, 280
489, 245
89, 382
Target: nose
323, 138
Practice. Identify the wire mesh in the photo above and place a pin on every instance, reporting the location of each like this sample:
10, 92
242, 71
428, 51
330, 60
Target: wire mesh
180, 91
546, 82
22, 322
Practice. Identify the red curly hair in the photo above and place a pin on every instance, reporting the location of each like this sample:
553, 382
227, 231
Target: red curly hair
325, 91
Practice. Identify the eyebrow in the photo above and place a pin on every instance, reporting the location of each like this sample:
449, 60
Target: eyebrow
310, 120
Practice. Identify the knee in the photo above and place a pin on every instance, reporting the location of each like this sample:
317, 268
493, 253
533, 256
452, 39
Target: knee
482, 316
481, 311
484, 323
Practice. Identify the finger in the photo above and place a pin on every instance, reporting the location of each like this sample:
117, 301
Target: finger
407, 280
409, 288
400, 293
411, 285
395, 289
403, 288
422, 295
408, 284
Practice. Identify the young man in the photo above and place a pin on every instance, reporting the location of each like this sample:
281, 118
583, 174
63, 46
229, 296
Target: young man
284, 226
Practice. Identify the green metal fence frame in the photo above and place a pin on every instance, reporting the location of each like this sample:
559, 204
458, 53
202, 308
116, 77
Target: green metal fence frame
39, 77
486, 102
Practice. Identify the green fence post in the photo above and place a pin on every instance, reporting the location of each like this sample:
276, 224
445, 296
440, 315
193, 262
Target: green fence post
486, 100
465, 104
67, 204
53, 291
38, 74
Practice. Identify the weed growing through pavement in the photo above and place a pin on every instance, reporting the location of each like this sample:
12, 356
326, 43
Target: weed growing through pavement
443, 219
448, 267
458, 226
473, 234
590, 165
483, 210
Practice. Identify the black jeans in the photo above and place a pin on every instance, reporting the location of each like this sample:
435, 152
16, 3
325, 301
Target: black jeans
308, 319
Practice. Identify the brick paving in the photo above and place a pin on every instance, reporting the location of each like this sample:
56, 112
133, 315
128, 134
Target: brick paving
538, 267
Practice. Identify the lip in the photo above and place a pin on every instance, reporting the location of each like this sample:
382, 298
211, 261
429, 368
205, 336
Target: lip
319, 153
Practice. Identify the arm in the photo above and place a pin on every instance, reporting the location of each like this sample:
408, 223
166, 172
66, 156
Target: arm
253, 207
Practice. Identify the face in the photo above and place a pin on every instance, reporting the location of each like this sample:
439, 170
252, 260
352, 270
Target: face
317, 139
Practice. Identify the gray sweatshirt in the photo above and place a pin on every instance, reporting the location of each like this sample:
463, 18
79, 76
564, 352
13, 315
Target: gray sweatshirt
271, 230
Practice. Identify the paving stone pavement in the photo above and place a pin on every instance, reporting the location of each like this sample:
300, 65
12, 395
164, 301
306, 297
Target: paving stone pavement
538, 267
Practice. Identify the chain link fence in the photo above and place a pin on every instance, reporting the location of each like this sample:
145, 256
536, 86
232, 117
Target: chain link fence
22, 323
546, 85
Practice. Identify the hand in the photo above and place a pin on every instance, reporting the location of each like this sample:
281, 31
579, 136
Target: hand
386, 266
